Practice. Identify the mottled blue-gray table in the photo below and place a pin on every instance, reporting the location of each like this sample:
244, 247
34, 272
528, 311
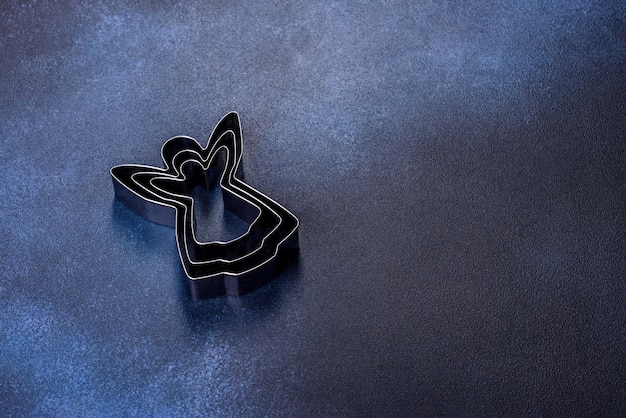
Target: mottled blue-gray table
459, 172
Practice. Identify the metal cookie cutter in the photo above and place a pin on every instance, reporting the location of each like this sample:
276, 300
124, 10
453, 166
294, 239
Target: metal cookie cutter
163, 196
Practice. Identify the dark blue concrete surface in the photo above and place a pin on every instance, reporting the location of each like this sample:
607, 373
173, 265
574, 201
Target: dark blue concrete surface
460, 175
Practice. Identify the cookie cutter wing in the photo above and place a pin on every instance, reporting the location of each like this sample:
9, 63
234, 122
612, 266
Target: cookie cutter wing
163, 196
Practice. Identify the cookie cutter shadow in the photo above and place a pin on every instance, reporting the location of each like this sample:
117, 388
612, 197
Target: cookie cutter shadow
239, 311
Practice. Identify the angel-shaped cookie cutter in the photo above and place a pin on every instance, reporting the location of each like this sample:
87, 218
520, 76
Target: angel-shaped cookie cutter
164, 196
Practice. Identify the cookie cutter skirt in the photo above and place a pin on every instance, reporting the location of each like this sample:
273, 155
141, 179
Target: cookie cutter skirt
163, 196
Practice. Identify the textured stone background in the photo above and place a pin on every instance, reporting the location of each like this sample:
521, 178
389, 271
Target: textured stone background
459, 171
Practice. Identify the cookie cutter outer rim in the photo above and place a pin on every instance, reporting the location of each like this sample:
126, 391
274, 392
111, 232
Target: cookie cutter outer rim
232, 177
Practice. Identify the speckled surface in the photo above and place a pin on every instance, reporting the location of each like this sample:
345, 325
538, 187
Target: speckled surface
459, 172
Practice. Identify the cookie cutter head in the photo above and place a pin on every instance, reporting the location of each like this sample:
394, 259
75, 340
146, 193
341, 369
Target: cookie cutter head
163, 196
